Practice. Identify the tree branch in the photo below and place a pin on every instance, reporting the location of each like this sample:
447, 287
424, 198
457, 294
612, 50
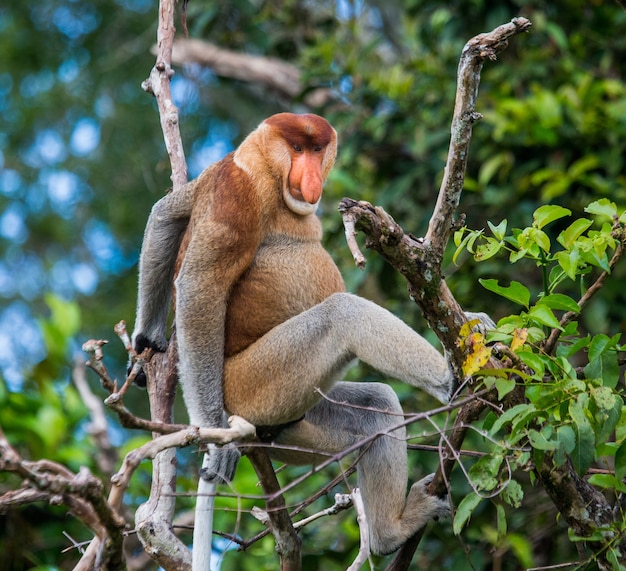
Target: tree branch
81, 493
158, 84
154, 518
474, 54
288, 543
278, 76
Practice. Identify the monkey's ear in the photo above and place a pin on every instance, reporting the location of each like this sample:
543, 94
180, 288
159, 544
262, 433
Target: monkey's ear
274, 149
329, 156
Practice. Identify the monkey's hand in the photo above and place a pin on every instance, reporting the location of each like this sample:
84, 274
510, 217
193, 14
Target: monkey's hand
140, 343
222, 464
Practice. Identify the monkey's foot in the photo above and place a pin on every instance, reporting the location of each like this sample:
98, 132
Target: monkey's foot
434, 507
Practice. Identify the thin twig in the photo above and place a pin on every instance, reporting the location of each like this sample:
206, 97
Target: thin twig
364, 532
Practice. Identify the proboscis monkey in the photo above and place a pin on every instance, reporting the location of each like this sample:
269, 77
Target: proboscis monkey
263, 320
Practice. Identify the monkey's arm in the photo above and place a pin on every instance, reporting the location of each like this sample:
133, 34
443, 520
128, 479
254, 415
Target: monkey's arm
162, 238
224, 239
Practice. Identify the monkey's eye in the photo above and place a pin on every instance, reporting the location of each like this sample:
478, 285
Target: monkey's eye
297, 148
318, 148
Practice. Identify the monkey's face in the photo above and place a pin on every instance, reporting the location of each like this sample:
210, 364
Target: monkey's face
304, 148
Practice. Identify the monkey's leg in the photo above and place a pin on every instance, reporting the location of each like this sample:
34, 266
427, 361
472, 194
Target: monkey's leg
275, 379
382, 470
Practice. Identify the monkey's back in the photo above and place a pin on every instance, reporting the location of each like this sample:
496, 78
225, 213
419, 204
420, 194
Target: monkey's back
287, 277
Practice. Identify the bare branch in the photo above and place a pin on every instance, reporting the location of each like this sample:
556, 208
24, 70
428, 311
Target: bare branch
271, 72
158, 84
282, 78
475, 52
153, 520
107, 458
342, 502
364, 533
81, 493
288, 542
239, 429
350, 231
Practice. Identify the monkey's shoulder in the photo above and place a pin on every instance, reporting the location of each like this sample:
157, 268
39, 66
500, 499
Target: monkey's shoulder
224, 180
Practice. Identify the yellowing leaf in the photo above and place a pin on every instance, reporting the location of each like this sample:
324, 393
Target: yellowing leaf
478, 354
519, 338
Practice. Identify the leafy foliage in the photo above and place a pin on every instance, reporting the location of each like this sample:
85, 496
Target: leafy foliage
572, 408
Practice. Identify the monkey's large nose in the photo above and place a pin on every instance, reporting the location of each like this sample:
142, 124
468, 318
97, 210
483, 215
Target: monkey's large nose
311, 186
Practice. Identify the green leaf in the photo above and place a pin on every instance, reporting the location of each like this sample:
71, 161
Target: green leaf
509, 415
560, 301
516, 292
484, 473
608, 482
65, 315
606, 420
573, 231
603, 363
523, 549
579, 345
620, 461
597, 535
566, 442
517, 256
583, 165
523, 421
488, 422
501, 521
513, 494
602, 343
542, 240
603, 397
568, 260
602, 207
549, 213
543, 314
487, 250
504, 386
539, 441
614, 557
491, 166
534, 361
583, 452
466, 244
498, 231
464, 511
